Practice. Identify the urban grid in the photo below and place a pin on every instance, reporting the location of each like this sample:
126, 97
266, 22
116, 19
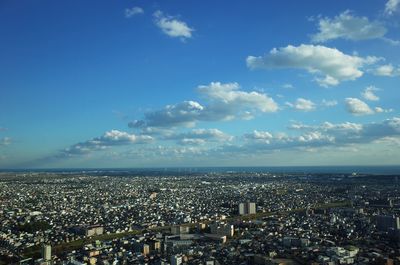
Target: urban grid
198, 218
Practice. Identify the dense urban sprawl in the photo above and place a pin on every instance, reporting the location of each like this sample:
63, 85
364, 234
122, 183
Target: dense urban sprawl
198, 218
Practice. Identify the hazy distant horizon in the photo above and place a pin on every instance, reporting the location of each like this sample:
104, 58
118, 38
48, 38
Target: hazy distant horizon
385, 170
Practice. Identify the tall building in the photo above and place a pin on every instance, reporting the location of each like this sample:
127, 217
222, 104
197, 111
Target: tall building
46, 252
247, 208
251, 206
242, 210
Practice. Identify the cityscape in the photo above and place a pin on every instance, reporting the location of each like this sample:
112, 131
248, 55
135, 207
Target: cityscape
122, 217
175, 132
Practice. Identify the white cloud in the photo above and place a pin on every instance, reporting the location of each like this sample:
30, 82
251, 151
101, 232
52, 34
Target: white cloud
345, 128
199, 136
369, 94
359, 133
108, 139
224, 102
386, 70
304, 104
338, 128
172, 27
262, 136
358, 107
189, 141
323, 135
391, 6
185, 114
130, 12
230, 94
327, 81
330, 63
382, 110
347, 26
264, 140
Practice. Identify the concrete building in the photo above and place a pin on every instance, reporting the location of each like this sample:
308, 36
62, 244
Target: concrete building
94, 230
46, 252
247, 208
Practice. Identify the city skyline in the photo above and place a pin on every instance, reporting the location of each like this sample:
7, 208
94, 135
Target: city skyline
154, 84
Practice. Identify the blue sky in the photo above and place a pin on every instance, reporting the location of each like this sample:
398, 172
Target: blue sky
199, 83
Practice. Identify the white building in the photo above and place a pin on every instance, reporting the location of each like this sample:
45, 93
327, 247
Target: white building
46, 252
247, 208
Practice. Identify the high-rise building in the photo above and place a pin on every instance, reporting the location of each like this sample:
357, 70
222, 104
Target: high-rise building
46, 252
251, 206
247, 208
242, 210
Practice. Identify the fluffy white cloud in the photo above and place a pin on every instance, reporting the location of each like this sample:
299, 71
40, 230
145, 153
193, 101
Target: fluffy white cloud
130, 12
230, 94
172, 26
386, 70
358, 107
347, 26
185, 113
391, 6
262, 136
302, 104
359, 133
369, 94
224, 102
325, 134
108, 139
331, 65
345, 128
